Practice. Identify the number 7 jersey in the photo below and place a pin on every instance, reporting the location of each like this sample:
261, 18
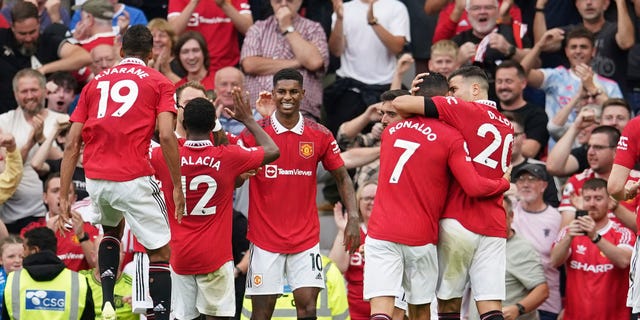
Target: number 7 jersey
119, 109
489, 138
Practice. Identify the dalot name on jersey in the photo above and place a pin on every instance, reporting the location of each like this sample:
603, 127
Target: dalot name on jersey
272, 171
595, 268
500, 119
420, 127
133, 70
200, 161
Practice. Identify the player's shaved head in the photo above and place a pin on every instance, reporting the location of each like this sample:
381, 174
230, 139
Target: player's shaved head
433, 84
199, 116
137, 42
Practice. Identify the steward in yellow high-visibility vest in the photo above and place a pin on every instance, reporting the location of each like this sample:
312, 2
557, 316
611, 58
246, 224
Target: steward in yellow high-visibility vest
45, 288
332, 302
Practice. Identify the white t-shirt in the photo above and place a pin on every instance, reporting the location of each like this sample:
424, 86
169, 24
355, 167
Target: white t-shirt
365, 57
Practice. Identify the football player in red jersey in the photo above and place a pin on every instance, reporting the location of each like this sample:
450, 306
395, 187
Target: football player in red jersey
283, 218
473, 229
115, 119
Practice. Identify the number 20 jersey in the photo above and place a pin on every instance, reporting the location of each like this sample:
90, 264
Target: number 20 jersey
489, 137
119, 108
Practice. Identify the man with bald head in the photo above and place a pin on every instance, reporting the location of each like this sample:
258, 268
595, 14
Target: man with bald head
225, 80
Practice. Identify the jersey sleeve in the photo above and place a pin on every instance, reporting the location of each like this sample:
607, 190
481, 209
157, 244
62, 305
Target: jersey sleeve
625, 238
464, 172
568, 190
446, 112
242, 6
627, 151
175, 7
80, 113
167, 98
331, 159
245, 159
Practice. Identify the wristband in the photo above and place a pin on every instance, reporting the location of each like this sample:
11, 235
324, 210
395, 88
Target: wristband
597, 238
218, 126
238, 270
84, 238
540, 10
521, 309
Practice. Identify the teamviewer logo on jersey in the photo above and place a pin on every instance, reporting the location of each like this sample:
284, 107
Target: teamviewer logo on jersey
270, 171
45, 300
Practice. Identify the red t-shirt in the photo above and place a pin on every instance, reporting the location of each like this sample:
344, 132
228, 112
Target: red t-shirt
216, 28
595, 287
359, 309
201, 243
207, 82
119, 109
69, 248
108, 38
283, 216
417, 159
489, 138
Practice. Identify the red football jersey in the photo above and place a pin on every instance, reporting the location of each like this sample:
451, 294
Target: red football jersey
216, 28
69, 249
417, 159
359, 309
489, 137
595, 287
119, 109
108, 38
202, 242
283, 216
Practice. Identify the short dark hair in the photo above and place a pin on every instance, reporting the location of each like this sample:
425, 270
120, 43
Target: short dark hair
595, 184
617, 102
137, 41
23, 10
433, 84
202, 43
52, 176
43, 238
64, 79
580, 32
288, 74
199, 116
611, 131
389, 95
513, 64
475, 72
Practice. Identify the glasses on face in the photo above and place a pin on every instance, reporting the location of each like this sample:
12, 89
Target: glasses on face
599, 147
523, 179
367, 199
590, 96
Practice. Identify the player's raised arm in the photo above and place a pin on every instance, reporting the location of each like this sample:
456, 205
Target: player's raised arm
242, 113
169, 145
470, 180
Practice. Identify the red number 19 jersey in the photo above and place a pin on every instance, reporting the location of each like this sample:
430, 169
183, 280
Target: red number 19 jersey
119, 109
417, 158
489, 137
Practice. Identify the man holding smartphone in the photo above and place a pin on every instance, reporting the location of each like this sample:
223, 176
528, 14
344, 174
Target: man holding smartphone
596, 252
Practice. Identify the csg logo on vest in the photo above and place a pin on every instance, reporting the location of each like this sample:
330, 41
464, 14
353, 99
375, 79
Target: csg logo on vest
45, 300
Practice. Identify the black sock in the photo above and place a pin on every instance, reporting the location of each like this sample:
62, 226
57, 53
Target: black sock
379, 316
108, 260
448, 315
160, 289
492, 315
634, 316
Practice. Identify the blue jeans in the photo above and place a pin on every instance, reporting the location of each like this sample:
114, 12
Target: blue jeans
546, 315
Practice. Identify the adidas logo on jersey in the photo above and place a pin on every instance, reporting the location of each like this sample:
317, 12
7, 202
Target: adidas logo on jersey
107, 274
159, 308
319, 276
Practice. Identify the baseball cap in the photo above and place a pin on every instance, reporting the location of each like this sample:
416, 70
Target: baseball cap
101, 9
535, 170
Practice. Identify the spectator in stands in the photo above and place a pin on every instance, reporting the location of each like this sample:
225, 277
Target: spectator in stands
560, 84
103, 57
510, 83
61, 91
25, 47
49, 12
538, 223
191, 50
76, 245
286, 40
12, 173
124, 17
220, 22
163, 60
613, 39
27, 124
94, 27
11, 255
444, 57
596, 253
225, 80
